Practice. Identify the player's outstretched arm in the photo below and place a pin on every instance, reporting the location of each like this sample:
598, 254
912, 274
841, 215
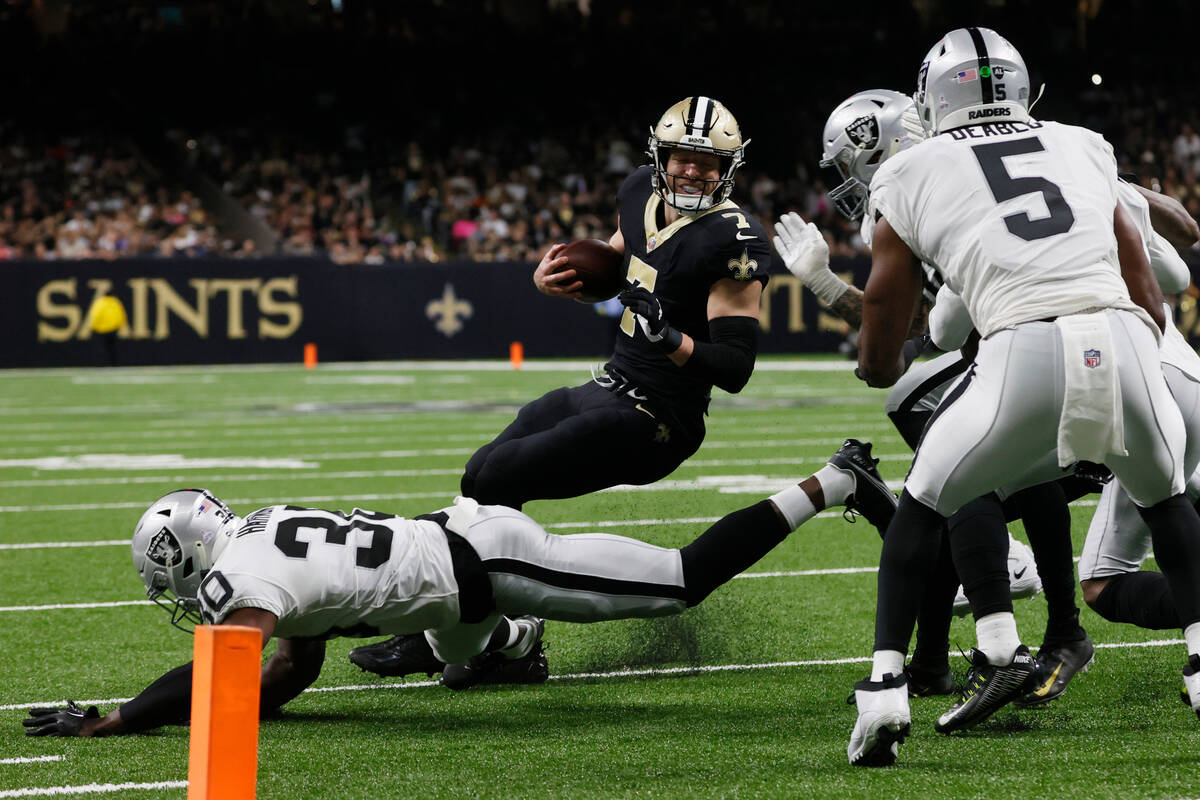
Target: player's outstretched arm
1170, 219
1135, 268
891, 299
805, 253
292, 668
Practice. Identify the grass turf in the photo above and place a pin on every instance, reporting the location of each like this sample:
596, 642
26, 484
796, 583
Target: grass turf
75, 467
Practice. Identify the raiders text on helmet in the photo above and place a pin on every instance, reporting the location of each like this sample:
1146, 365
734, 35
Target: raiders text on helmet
972, 75
703, 125
174, 546
862, 132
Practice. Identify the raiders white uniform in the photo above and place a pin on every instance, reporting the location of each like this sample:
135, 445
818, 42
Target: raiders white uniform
326, 574
1017, 218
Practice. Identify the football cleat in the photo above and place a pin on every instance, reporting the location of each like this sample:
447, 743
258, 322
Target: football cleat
1023, 580
1191, 684
988, 689
923, 683
883, 723
401, 655
870, 497
1057, 664
494, 667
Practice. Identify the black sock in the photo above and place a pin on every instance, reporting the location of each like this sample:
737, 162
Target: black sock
979, 542
931, 653
1175, 532
729, 547
1139, 598
910, 550
1047, 520
500, 636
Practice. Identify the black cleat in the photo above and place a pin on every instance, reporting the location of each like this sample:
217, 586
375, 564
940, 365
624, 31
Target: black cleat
988, 689
923, 683
1057, 665
493, 667
871, 496
401, 655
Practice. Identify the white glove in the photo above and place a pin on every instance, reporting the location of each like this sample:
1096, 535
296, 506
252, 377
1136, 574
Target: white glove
806, 256
910, 120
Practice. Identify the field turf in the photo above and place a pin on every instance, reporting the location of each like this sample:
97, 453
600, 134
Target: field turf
741, 697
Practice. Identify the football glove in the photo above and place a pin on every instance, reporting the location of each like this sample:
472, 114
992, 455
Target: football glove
67, 721
806, 255
649, 313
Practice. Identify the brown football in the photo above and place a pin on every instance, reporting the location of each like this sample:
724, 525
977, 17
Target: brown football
598, 266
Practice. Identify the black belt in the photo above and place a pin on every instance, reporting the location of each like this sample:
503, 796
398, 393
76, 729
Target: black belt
475, 600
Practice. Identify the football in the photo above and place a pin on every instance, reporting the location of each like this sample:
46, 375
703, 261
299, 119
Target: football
599, 266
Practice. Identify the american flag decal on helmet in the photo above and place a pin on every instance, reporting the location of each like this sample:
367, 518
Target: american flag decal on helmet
1091, 358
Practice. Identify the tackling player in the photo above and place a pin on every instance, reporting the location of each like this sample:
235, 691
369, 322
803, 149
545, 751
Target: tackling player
307, 575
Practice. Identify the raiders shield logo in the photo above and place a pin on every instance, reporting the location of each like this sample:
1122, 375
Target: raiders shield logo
864, 131
164, 549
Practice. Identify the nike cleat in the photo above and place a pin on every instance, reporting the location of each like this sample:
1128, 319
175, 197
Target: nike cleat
1191, 684
1023, 580
1057, 665
494, 667
988, 689
871, 496
884, 722
398, 656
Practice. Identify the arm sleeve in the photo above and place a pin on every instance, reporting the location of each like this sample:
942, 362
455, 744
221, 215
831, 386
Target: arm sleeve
949, 322
728, 359
167, 701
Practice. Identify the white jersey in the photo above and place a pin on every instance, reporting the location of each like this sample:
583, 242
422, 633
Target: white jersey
1017, 217
326, 573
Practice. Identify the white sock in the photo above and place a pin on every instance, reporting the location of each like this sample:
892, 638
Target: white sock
795, 505
997, 637
1191, 635
836, 484
521, 640
887, 662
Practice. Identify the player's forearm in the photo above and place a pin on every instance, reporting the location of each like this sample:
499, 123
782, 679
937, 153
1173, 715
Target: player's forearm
285, 677
728, 360
849, 307
1170, 219
167, 701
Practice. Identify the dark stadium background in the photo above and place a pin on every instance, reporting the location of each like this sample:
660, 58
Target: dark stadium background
363, 81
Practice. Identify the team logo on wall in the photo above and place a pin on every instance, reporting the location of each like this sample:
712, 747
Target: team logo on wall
164, 549
1091, 358
448, 311
864, 131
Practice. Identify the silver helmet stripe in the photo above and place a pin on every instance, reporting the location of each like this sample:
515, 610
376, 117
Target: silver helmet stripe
985, 66
701, 119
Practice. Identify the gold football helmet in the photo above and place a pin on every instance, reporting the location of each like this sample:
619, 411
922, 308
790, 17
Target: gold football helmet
703, 125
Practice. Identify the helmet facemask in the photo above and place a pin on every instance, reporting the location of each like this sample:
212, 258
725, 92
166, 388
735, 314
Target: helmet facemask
702, 125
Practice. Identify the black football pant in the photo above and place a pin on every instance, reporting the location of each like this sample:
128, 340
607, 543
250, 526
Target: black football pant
577, 440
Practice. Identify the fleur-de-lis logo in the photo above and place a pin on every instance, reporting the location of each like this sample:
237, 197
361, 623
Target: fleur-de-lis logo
743, 268
447, 310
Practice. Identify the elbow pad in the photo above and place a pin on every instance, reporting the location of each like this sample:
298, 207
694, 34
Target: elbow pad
728, 359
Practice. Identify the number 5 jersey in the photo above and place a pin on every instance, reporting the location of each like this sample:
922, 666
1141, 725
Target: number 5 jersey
1017, 217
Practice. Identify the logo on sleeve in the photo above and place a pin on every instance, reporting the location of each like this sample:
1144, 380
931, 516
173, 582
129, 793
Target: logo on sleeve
743, 268
864, 131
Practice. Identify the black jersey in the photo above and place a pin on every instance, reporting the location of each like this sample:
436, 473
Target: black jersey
679, 263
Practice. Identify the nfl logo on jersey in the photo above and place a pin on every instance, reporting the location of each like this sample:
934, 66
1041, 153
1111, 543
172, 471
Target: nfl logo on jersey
1091, 358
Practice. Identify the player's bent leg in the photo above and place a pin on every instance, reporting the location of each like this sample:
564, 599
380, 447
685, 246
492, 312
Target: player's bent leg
406, 654
513, 654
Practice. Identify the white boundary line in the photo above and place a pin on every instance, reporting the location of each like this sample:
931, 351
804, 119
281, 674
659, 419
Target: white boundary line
620, 673
91, 788
30, 759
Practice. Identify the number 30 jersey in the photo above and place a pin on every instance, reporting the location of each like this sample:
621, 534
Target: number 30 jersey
1018, 218
326, 573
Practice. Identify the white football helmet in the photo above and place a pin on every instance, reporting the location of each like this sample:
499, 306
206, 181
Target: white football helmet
704, 125
972, 76
175, 544
865, 130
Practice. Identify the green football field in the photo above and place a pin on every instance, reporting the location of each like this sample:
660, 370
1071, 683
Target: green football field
743, 696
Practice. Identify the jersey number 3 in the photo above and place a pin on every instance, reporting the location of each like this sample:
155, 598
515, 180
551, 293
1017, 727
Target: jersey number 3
1006, 187
369, 556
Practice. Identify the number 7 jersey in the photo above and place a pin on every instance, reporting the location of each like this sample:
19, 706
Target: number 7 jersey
327, 573
1017, 217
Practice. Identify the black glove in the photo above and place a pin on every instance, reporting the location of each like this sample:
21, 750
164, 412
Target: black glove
58, 721
650, 317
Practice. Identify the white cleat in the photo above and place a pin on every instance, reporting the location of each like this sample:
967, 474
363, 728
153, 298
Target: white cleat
1191, 684
1023, 580
884, 721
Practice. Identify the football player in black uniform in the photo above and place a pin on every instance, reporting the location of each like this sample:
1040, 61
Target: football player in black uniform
696, 265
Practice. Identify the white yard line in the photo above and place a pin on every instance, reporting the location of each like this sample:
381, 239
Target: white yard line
30, 759
620, 673
91, 788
